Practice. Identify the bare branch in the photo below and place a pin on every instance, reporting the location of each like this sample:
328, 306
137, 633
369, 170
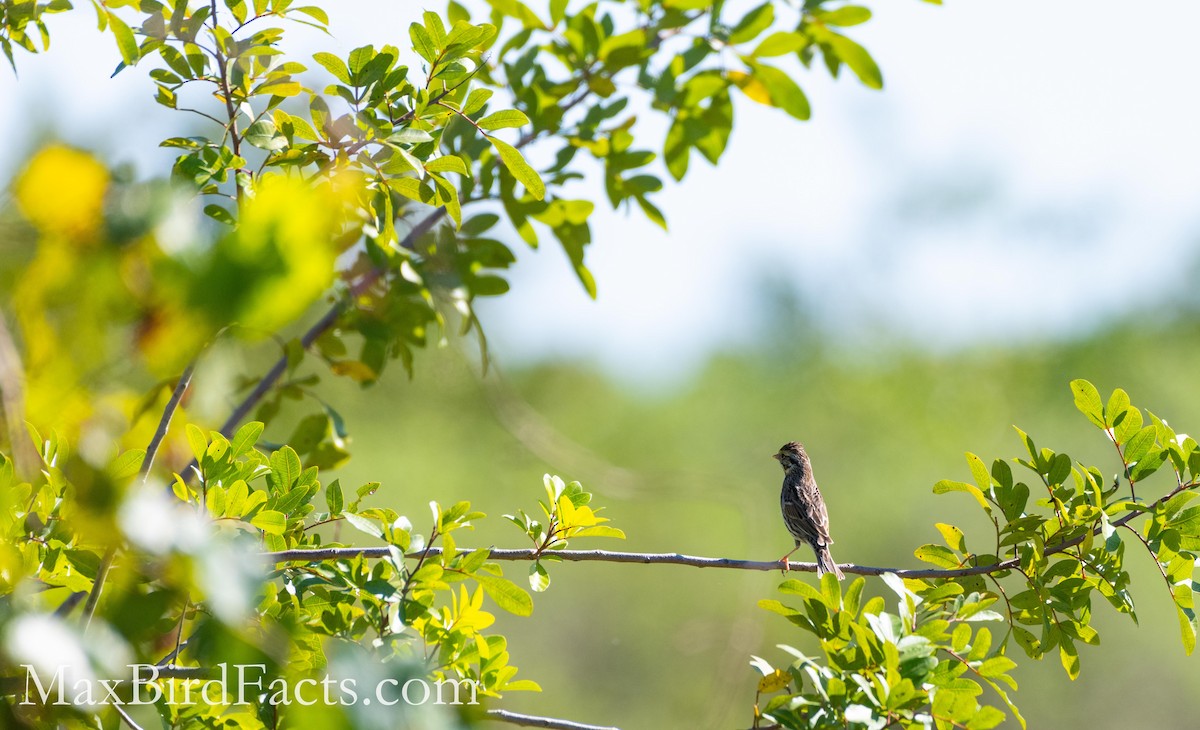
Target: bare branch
514, 718
606, 556
12, 400
164, 423
125, 717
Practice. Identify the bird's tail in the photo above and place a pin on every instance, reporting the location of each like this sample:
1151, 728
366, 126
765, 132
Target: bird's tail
825, 562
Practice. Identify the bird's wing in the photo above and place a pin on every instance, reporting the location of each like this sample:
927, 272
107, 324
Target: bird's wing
818, 514
798, 515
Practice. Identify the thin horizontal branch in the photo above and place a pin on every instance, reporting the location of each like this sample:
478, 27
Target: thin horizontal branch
515, 718
609, 556
311, 555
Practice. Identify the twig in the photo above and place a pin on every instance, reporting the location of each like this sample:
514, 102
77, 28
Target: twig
164, 423
1154, 557
12, 399
514, 718
125, 717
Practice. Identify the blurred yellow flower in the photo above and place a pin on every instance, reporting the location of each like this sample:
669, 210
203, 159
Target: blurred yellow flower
61, 192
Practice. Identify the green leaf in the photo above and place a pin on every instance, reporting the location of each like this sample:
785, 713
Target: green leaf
255, 500
676, 148
359, 58
953, 536
774, 606
1187, 628
270, 522
519, 168
334, 65
1148, 464
1141, 443
997, 665
510, 118
779, 89
125, 465
1118, 403
246, 437
937, 555
857, 58
507, 595
126, 42
947, 485
285, 467
197, 440
422, 43
780, 44
219, 214
264, 135
313, 12
539, 579
1087, 400
476, 100
852, 597
844, 16
753, 23
600, 531
333, 498
214, 501
364, 525
800, 588
235, 498
979, 471
1069, 656
831, 590
448, 163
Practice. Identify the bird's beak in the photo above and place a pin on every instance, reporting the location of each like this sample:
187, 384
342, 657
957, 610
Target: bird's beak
776, 457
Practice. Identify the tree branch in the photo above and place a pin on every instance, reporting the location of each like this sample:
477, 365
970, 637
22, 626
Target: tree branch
12, 400
320, 327
514, 718
125, 716
606, 556
164, 423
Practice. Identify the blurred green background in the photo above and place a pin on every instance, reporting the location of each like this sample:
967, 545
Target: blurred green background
689, 470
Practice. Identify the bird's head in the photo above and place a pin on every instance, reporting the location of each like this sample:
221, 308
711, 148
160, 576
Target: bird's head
791, 456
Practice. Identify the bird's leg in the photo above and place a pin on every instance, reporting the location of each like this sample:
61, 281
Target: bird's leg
784, 559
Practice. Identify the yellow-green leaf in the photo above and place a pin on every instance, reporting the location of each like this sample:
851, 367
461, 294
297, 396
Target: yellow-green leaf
519, 168
270, 522
506, 594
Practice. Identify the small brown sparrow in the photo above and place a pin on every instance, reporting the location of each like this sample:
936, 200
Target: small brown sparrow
803, 508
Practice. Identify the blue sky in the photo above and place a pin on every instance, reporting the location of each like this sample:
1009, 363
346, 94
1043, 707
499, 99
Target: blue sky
1030, 169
